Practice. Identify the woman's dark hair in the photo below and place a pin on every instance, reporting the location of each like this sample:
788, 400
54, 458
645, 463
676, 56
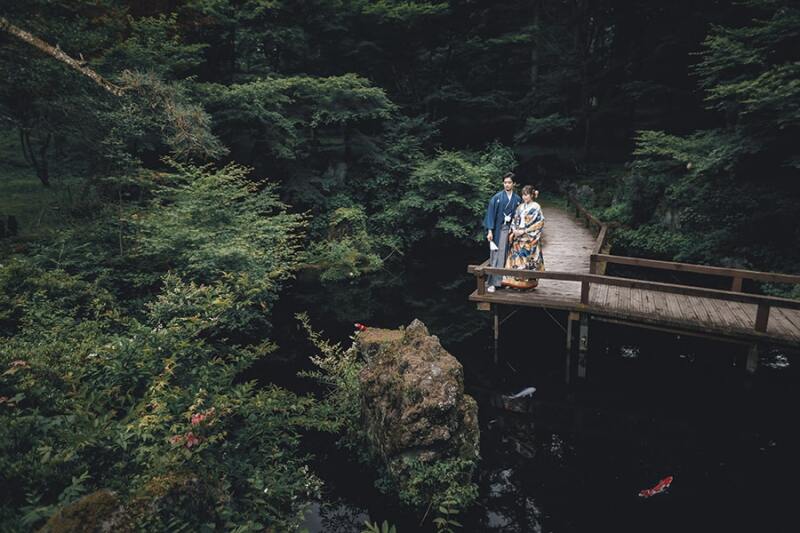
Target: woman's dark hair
530, 190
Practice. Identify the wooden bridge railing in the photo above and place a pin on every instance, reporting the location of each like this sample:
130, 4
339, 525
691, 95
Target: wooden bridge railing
737, 275
763, 303
599, 260
601, 242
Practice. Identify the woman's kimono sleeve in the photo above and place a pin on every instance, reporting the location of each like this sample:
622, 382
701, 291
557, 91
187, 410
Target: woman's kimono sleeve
532, 222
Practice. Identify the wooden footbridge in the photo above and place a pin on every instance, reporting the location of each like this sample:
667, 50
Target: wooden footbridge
576, 253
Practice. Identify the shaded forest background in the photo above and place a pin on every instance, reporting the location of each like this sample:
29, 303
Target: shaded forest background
253, 139
680, 117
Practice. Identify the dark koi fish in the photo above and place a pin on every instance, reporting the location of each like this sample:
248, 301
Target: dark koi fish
659, 487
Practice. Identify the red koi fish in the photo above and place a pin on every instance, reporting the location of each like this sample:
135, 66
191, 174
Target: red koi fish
360, 327
659, 487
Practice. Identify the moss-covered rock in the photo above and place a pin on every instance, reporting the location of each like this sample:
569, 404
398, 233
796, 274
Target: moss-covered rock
370, 341
414, 409
98, 512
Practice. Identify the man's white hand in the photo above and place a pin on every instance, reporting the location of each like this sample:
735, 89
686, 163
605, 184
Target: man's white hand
489, 236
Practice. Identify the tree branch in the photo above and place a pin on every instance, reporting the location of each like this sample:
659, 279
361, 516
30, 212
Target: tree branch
56, 53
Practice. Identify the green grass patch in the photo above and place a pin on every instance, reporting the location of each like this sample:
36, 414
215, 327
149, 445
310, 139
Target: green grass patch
38, 209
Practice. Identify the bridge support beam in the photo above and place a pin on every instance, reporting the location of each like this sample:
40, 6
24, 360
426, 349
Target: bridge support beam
583, 345
571, 318
577, 348
496, 328
752, 358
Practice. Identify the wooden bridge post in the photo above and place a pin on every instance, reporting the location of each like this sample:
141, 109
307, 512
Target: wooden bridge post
572, 318
496, 322
480, 277
583, 345
736, 284
762, 317
752, 358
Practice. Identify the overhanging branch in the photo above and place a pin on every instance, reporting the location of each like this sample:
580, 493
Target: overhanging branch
58, 54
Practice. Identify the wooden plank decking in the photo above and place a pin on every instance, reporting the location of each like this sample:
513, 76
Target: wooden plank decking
567, 248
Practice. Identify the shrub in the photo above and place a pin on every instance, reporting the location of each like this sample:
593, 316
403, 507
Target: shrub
108, 387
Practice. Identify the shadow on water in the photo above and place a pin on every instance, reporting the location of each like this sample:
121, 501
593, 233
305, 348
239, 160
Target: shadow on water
569, 459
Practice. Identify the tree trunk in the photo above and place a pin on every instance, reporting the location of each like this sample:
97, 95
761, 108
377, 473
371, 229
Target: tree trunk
43, 171
536, 44
40, 164
582, 50
56, 53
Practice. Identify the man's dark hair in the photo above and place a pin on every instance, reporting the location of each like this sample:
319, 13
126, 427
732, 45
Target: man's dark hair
508, 175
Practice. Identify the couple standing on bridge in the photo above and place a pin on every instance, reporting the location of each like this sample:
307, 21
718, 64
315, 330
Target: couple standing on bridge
514, 230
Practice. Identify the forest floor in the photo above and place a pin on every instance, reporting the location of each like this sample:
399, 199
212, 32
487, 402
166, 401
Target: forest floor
38, 209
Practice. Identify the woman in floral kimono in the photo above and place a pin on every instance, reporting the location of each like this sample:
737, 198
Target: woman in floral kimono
525, 236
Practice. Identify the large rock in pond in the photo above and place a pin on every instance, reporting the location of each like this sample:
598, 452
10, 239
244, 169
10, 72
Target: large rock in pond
413, 401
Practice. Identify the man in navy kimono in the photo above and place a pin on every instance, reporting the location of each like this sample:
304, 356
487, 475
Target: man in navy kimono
497, 224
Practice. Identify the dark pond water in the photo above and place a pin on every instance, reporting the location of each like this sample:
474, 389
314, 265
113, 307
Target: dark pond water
574, 458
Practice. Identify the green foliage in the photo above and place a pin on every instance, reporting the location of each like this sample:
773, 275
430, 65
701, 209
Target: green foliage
338, 370
202, 224
726, 194
155, 44
64, 119
37, 209
346, 251
754, 68
373, 527
347, 152
541, 126
286, 114
445, 523
141, 395
155, 118
121, 399
401, 11
653, 241
444, 484
210, 224
446, 197
704, 152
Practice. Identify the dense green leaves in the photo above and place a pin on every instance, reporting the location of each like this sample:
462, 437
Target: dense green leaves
446, 197
286, 114
725, 194
139, 393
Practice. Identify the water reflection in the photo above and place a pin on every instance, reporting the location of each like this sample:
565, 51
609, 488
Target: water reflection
334, 517
436, 296
775, 359
508, 508
629, 352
